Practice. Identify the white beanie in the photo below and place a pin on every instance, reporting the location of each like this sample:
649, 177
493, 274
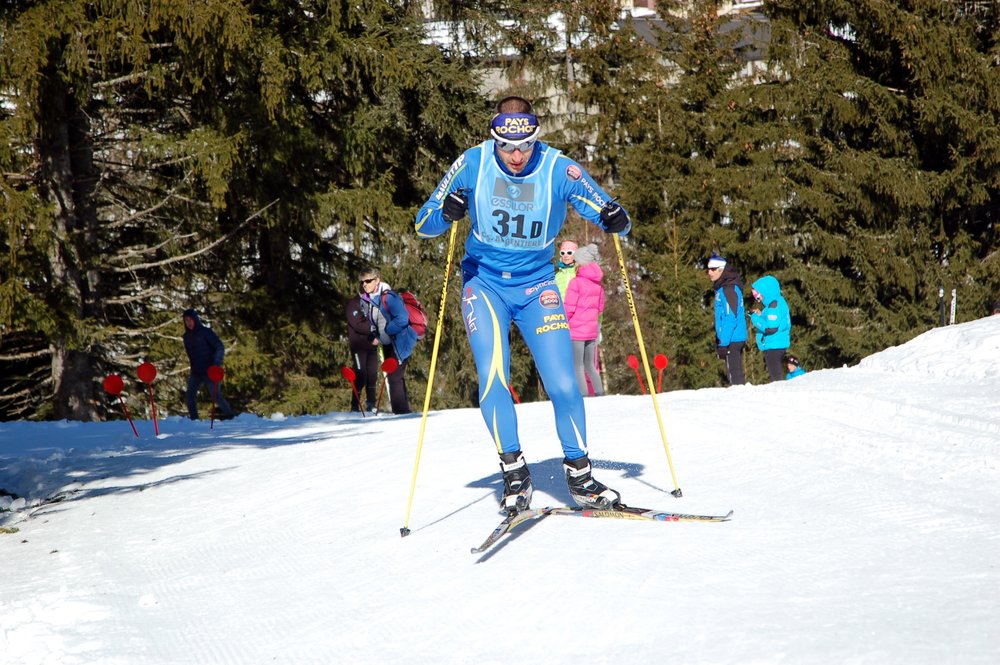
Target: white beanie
716, 261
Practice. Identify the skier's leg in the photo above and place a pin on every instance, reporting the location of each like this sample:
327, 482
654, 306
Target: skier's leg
487, 323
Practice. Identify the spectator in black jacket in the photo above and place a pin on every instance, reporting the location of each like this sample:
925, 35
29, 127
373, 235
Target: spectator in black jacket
364, 353
204, 349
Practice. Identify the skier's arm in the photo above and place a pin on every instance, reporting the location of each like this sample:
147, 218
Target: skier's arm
430, 221
574, 185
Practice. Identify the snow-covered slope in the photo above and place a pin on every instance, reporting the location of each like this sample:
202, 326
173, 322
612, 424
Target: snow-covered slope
866, 530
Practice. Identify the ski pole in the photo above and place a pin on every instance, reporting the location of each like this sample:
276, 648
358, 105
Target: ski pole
405, 530
388, 367
645, 359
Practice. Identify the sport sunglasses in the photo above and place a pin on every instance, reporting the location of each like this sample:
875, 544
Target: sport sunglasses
511, 146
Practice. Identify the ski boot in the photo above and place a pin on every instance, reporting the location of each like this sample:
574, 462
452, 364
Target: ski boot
516, 482
585, 490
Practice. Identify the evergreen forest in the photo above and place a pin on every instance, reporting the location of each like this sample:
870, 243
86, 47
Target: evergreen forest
246, 158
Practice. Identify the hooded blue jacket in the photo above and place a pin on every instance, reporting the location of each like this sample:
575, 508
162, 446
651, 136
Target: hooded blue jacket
774, 323
203, 346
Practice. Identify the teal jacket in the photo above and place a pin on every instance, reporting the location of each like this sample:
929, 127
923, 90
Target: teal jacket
798, 371
774, 323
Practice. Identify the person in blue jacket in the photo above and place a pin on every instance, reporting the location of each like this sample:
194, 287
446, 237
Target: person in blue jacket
515, 190
773, 324
730, 317
388, 327
794, 367
204, 349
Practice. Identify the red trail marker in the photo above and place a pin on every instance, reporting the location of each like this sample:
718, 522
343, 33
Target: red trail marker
349, 375
389, 365
633, 362
215, 374
114, 385
147, 374
660, 361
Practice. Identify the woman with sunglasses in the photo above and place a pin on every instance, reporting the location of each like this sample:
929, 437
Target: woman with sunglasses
516, 190
377, 319
566, 265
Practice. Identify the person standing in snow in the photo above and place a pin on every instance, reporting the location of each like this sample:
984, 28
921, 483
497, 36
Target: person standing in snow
364, 354
515, 190
377, 317
566, 266
773, 323
730, 324
204, 349
584, 306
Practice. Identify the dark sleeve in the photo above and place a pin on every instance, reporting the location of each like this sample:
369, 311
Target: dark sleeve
356, 319
214, 343
729, 291
358, 326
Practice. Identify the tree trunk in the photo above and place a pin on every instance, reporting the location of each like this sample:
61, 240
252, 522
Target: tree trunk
67, 181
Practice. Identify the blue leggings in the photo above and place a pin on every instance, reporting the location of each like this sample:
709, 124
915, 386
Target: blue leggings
488, 310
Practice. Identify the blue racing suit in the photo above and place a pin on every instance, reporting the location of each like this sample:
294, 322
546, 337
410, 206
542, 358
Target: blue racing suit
508, 276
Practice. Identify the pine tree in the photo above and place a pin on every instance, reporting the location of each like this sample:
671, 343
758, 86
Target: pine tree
241, 158
892, 162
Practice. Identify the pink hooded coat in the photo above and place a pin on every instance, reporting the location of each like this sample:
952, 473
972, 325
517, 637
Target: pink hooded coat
585, 302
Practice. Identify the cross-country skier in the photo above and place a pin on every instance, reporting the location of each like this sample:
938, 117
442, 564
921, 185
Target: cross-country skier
516, 190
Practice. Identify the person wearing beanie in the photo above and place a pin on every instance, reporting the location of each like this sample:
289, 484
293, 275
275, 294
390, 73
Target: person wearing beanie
773, 323
516, 191
204, 349
566, 265
730, 324
584, 307
794, 368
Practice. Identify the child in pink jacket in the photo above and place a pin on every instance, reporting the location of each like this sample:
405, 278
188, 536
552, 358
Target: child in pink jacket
584, 304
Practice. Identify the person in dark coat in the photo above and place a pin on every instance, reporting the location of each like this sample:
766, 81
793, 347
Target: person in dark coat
730, 325
364, 354
382, 318
204, 349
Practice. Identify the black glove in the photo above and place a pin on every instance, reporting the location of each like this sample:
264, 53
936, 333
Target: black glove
372, 336
614, 218
455, 206
723, 351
